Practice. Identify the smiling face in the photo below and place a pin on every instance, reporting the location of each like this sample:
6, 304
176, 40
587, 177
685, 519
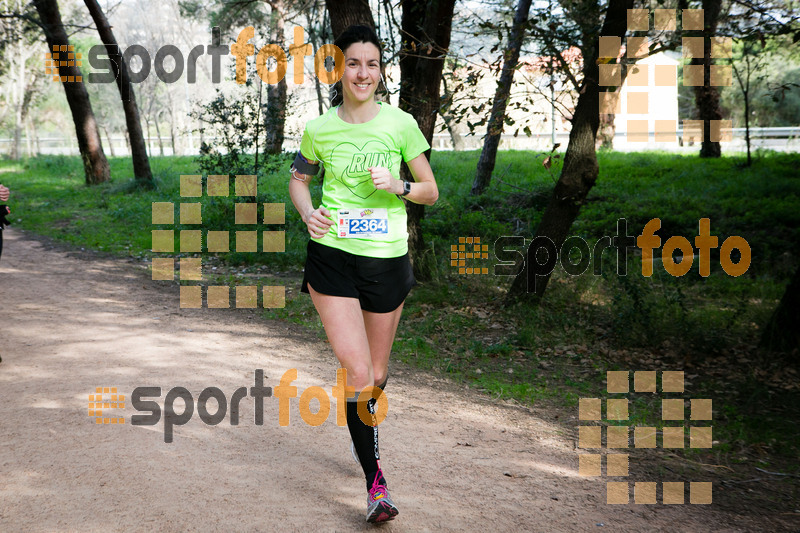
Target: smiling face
362, 72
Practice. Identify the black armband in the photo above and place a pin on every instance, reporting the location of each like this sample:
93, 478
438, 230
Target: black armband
303, 166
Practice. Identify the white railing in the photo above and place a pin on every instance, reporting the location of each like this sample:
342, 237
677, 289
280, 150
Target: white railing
782, 139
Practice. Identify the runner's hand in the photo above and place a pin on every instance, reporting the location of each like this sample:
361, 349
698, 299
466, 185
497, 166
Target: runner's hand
3, 193
317, 223
383, 180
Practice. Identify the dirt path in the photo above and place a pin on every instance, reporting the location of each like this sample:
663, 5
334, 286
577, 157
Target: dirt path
71, 322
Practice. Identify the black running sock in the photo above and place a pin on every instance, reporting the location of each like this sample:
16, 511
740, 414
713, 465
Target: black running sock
365, 440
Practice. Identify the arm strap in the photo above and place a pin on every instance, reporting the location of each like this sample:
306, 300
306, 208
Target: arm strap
303, 166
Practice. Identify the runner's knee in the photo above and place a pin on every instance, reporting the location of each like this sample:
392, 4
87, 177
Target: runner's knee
359, 375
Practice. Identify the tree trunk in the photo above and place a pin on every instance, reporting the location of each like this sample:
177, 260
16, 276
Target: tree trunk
781, 333
141, 164
160, 142
28, 139
110, 141
16, 149
27, 101
606, 132
455, 136
580, 169
426, 29
37, 145
95, 164
149, 138
312, 15
483, 174
346, 13
275, 116
707, 96
747, 122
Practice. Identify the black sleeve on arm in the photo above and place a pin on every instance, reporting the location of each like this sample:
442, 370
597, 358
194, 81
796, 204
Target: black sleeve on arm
303, 166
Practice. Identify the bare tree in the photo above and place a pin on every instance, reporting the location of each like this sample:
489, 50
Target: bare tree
483, 173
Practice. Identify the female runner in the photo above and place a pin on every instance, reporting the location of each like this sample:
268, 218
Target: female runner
357, 269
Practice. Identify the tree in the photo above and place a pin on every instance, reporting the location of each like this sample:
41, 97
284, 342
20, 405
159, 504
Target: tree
345, 13
707, 95
277, 99
228, 15
95, 164
483, 173
746, 66
580, 169
425, 29
22, 77
141, 164
781, 333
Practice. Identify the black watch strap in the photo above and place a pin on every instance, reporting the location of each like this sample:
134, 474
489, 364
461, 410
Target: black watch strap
406, 188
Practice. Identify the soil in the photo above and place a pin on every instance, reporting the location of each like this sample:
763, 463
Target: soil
454, 458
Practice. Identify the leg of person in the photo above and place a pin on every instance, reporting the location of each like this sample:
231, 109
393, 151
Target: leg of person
344, 325
346, 332
381, 329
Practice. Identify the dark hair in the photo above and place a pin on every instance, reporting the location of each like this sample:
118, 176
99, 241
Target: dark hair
354, 34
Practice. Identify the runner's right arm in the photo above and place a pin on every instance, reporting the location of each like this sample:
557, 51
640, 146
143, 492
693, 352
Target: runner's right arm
317, 220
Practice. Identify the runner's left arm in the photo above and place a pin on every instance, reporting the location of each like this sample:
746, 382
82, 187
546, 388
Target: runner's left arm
424, 189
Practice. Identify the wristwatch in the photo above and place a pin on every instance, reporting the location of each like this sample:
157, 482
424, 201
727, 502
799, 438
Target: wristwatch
406, 188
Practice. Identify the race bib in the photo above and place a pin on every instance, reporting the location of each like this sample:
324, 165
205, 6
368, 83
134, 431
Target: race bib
370, 222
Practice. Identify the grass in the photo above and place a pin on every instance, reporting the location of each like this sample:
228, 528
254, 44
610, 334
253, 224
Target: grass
458, 325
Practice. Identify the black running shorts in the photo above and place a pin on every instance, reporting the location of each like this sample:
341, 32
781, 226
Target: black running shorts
380, 284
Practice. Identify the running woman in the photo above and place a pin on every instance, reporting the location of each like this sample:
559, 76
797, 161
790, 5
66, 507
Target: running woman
357, 269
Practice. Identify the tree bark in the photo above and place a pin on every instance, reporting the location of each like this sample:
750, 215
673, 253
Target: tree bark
110, 141
426, 29
455, 136
483, 174
158, 134
346, 13
707, 96
580, 169
781, 333
141, 164
95, 164
275, 115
